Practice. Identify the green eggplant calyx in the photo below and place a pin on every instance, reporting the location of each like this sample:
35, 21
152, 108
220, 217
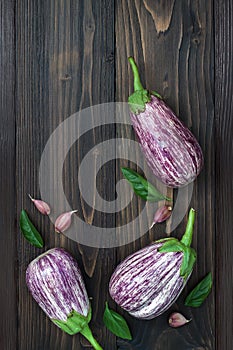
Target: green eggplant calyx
188, 261
77, 323
163, 240
188, 235
189, 255
137, 101
174, 245
140, 96
154, 93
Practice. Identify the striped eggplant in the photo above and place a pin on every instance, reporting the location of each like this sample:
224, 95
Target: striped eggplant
171, 150
56, 283
149, 281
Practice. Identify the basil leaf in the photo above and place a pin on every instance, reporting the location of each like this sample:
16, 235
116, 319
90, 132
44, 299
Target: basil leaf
142, 187
29, 231
116, 324
200, 292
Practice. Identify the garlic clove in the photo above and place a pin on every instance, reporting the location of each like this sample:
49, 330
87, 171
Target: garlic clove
163, 213
42, 206
177, 320
63, 221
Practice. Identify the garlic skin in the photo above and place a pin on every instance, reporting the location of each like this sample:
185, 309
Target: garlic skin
42, 206
162, 214
176, 320
63, 221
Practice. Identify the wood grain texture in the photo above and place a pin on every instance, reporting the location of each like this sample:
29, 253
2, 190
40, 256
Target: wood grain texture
60, 56
224, 188
173, 46
64, 54
8, 286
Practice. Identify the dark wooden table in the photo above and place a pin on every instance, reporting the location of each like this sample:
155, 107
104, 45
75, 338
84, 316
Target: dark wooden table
60, 56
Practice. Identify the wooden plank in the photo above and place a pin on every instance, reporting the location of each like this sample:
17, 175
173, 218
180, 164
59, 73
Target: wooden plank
8, 290
64, 55
223, 111
172, 42
180, 57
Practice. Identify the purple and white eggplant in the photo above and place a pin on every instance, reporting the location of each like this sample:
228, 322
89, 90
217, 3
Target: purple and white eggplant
149, 281
56, 283
171, 150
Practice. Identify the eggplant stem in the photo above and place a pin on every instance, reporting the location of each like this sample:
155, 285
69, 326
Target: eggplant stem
137, 80
188, 235
87, 333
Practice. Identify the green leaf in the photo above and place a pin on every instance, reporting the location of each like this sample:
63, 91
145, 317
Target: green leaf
116, 323
200, 292
142, 187
29, 231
